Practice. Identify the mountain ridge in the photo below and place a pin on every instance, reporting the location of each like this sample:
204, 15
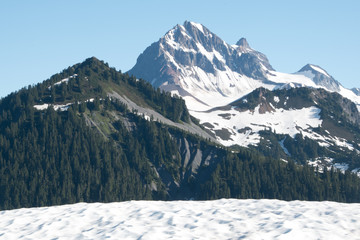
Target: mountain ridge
103, 147
196, 64
211, 75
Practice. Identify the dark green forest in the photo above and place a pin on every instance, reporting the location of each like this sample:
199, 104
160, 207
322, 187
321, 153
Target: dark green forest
50, 157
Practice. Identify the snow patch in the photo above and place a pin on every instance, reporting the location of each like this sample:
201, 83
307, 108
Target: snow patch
249, 123
356, 171
61, 107
321, 163
341, 166
65, 80
328, 163
276, 99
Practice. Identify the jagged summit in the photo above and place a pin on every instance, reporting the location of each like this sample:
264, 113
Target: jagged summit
243, 43
314, 68
320, 77
196, 64
243, 46
193, 62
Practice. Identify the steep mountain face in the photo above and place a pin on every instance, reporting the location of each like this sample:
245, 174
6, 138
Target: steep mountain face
196, 64
320, 77
218, 81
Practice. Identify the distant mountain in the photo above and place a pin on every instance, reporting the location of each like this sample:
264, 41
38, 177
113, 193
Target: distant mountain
194, 63
218, 81
320, 77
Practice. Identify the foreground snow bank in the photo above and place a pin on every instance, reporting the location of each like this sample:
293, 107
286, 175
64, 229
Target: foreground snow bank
220, 219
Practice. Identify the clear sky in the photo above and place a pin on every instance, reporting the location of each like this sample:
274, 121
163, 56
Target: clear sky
39, 38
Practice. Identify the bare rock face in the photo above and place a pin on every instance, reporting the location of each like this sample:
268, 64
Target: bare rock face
196, 64
185, 54
321, 77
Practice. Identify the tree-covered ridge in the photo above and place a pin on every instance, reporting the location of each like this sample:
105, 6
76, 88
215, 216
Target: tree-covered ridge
247, 176
340, 119
93, 79
100, 151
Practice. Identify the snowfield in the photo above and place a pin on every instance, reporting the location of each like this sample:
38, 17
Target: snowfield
219, 219
243, 127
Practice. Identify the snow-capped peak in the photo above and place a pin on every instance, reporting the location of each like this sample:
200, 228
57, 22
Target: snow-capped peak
315, 69
196, 64
320, 77
193, 62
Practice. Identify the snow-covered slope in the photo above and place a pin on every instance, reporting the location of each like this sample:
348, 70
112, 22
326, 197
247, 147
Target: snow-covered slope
220, 219
242, 128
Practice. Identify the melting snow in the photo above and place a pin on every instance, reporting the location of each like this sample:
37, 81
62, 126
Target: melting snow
357, 171
219, 219
281, 121
276, 99
327, 162
341, 166
61, 107
321, 162
65, 80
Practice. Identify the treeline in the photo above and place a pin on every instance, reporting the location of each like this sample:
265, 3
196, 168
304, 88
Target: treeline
247, 176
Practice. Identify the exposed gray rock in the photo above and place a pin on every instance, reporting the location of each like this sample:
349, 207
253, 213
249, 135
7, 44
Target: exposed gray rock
321, 77
186, 46
149, 113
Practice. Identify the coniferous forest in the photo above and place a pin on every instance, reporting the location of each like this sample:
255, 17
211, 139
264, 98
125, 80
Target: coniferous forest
98, 150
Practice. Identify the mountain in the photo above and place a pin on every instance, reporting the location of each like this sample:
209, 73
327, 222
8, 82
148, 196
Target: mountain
197, 65
94, 134
218, 80
320, 77
308, 125
194, 63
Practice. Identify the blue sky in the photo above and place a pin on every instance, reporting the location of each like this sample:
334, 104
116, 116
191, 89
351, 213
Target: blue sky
41, 38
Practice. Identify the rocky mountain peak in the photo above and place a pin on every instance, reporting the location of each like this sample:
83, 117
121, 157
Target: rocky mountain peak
315, 69
320, 77
243, 43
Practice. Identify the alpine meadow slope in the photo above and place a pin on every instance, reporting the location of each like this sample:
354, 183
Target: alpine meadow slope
217, 80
